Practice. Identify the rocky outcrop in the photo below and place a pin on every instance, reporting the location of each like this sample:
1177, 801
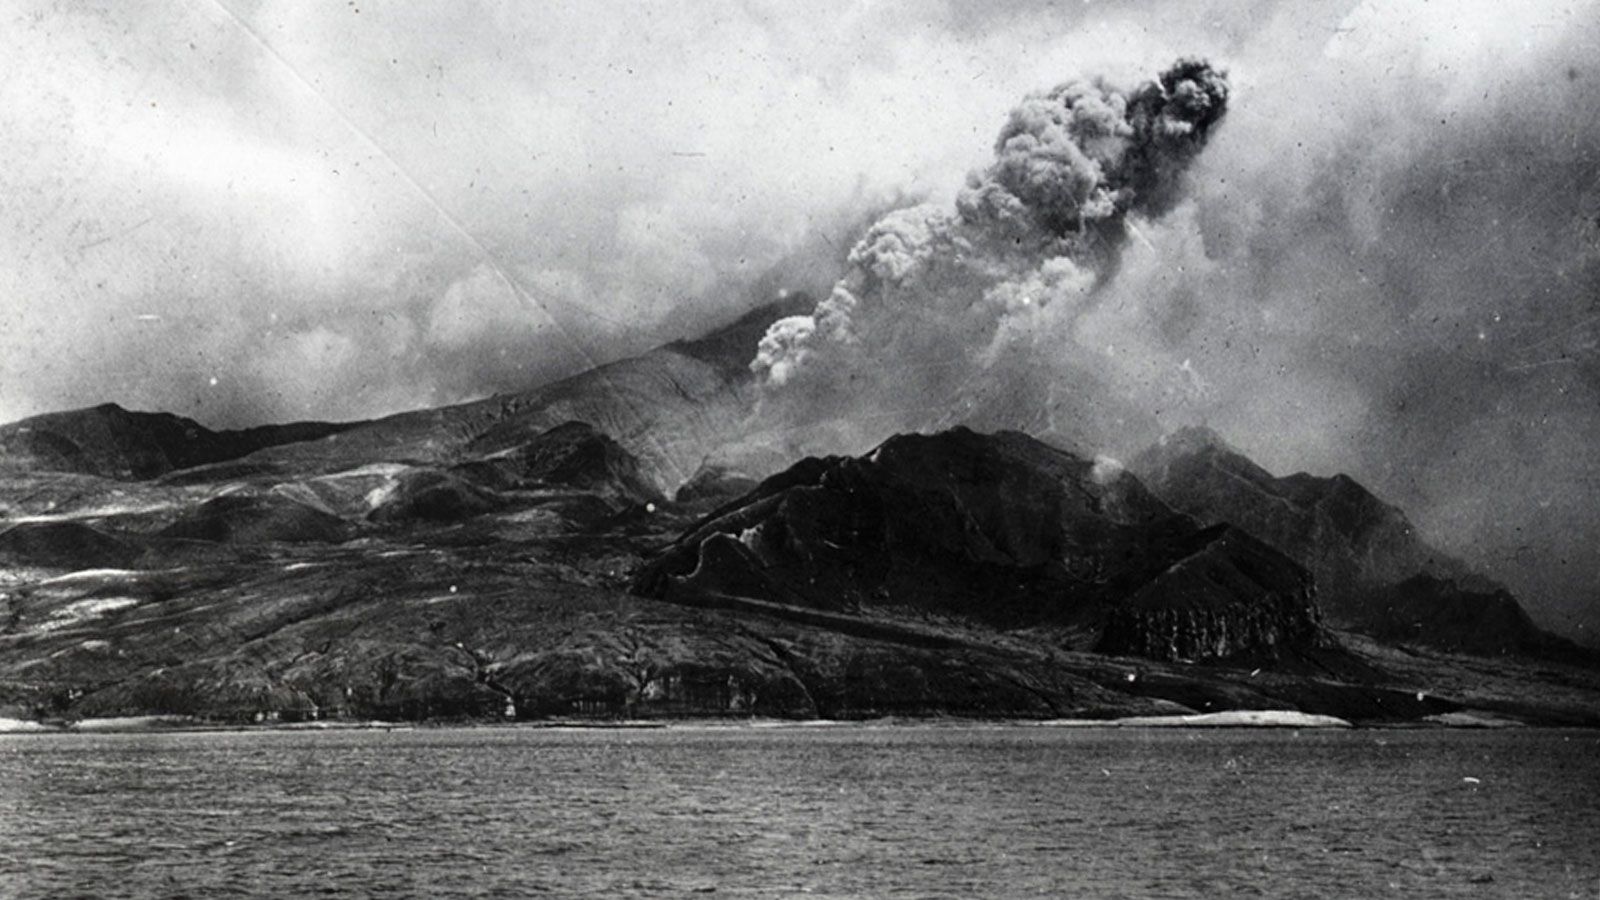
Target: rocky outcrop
1236, 598
999, 529
71, 546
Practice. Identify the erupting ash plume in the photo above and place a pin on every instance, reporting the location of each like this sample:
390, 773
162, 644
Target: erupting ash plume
942, 307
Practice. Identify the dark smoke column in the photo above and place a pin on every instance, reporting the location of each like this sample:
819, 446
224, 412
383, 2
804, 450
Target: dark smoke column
1080, 157
952, 302
1172, 120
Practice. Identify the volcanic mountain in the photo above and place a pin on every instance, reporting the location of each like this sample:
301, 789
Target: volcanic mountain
473, 561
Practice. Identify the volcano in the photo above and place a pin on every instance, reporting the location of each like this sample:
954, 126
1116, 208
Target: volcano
584, 550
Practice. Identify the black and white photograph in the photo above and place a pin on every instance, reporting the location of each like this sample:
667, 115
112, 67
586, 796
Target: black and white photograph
835, 449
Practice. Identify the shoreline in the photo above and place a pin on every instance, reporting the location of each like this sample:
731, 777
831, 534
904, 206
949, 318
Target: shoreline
1250, 720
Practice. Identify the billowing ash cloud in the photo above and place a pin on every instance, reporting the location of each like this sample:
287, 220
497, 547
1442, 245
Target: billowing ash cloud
940, 304
1080, 157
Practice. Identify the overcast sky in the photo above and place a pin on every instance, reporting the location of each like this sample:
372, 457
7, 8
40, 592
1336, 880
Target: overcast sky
1389, 263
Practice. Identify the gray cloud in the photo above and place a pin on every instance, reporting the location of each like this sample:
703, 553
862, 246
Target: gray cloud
240, 191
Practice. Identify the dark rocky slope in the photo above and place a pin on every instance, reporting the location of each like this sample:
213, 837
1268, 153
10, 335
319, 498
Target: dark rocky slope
112, 442
1472, 617
1374, 573
1001, 530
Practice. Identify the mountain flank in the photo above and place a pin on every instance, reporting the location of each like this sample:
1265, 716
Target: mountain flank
1374, 573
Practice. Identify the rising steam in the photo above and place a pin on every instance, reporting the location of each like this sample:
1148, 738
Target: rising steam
941, 308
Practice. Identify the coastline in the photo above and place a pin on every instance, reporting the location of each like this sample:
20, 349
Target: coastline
1232, 719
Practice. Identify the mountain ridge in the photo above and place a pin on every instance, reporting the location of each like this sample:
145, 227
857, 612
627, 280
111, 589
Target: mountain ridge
1361, 548
110, 441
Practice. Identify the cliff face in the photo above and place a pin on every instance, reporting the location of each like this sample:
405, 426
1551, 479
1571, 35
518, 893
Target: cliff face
999, 529
1235, 598
1361, 549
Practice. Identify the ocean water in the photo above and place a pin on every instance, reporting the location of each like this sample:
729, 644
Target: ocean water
894, 811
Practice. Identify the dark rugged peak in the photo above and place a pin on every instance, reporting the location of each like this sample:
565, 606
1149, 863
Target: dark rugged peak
1196, 458
1471, 615
105, 440
1198, 473
1000, 529
1012, 467
113, 442
1190, 451
1374, 573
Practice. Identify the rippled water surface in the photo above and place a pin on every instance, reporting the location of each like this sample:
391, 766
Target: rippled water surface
913, 811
